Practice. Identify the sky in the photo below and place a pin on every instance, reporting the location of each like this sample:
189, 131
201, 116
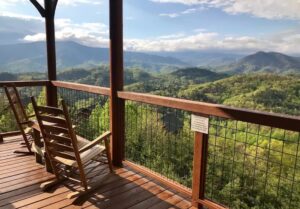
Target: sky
235, 26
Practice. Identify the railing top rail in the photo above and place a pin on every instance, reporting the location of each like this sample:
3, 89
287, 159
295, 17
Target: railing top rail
82, 87
281, 121
257, 117
24, 83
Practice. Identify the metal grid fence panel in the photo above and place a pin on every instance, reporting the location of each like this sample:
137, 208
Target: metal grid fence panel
252, 166
89, 112
160, 139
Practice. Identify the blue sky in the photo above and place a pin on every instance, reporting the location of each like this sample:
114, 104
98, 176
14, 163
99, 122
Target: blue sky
240, 26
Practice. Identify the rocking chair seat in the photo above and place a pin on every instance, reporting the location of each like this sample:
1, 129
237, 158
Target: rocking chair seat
85, 156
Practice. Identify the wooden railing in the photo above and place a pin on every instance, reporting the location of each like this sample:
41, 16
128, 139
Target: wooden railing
197, 192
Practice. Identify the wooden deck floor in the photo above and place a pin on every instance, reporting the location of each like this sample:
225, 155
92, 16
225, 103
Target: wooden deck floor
20, 178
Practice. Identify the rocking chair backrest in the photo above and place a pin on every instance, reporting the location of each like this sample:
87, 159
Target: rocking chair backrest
56, 128
16, 104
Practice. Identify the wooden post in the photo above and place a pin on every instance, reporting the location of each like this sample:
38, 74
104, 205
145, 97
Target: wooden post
50, 6
199, 168
117, 105
48, 12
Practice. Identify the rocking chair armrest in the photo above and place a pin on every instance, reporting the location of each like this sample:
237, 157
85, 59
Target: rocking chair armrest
31, 116
26, 122
95, 142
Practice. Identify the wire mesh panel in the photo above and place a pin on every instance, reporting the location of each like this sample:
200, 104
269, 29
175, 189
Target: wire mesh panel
7, 119
89, 112
160, 139
252, 166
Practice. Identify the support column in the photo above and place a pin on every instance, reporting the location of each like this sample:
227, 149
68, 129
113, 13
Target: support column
50, 6
117, 106
199, 168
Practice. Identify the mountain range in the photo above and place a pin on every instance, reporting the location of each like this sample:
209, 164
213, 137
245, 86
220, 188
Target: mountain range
31, 57
267, 62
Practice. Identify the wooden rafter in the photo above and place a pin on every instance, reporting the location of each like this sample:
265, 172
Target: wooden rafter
42, 10
38, 7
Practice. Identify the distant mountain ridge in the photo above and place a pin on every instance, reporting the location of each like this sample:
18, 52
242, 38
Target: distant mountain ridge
31, 57
203, 58
266, 62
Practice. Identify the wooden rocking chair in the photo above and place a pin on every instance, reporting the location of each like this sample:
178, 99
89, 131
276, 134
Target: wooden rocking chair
22, 119
67, 152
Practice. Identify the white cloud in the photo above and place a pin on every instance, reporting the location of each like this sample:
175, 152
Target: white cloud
96, 34
171, 15
269, 9
35, 37
172, 43
184, 12
91, 34
285, 42
20, 16
186, 2
76, 2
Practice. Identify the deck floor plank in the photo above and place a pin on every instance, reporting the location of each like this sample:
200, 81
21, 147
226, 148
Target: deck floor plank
20, 179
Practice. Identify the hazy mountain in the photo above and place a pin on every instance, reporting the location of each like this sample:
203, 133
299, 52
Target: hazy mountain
8, 77
202, 58
13, 30
31, 57
271, 62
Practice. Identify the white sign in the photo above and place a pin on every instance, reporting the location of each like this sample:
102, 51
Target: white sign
200, 124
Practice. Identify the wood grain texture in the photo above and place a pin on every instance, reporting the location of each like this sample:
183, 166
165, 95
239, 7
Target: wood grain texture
263, 118
19, 188
82, 87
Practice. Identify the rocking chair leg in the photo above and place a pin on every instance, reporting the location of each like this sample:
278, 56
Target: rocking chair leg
1, 139
48, 164
73, 195
23, 152
50, 184
79, 194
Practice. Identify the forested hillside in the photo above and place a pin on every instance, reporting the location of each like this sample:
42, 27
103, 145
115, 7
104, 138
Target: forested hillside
169, 84
267, 92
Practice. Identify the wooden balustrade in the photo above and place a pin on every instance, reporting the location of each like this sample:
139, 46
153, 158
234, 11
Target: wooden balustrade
201, 140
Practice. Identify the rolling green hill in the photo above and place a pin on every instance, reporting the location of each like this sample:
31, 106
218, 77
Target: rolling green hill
267, 92
168, 84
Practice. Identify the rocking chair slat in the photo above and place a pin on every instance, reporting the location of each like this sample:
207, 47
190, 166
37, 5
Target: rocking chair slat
67, 151
20, 115
58, 138
56, 120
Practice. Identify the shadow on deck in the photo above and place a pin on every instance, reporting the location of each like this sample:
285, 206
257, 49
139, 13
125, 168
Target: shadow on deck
20, 178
